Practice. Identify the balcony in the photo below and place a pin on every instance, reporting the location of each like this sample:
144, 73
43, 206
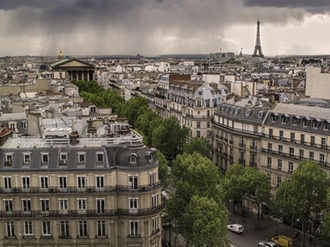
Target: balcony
88, 189
241, 145
253, 148
85, 213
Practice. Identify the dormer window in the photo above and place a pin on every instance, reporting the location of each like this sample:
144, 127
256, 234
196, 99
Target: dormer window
295, 120
274, 116
9, 159
27, 158
326, 126
99, 157
63, 159
81, 157
133, 159
305, 121
150, 156
44, 158
284, 119
237, 110
260, 114
248, 112
316, 123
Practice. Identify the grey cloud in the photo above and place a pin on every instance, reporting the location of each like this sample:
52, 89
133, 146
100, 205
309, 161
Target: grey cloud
319, 6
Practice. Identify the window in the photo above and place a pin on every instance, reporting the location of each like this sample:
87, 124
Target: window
269, 147
155, 224
283, 120
323, 142
44, 183
132, 159
81, 157
63, 205
62, 182
133, 205
28, 231
101, 228
154, 201
269, 176
280, 149
26, 205
311, 155
100, 205
99, 157
45, 228
301, 154
82, 228
8, 205
10, 230
269, 161
198, 133
63, 159
270, 131
290, 167
44, 203
9, 159
81, 205
305, 123
44, 158
26, 158
281, 134
302, 138
64, 229
81, 182
26, 183
273, 119
7, 183
198, 125
291, 152
254, 143
315, 124
292, 136
134, 228
152, 179
326, 126
312, 140
279, 181
100, 182
133, 182
279, 164
322, 162
199, 103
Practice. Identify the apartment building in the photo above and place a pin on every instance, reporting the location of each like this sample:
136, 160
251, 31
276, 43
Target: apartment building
292, 133
193, 104
91, 190
237, 130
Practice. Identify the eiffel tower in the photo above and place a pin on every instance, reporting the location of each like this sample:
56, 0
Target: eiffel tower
257, 49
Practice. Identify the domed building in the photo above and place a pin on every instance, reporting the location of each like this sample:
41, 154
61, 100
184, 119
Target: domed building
193, 103
60, 55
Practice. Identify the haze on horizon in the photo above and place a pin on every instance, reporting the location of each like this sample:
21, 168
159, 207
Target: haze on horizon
155, 27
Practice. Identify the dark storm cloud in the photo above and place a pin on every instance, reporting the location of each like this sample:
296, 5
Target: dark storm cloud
133, 26
310, 5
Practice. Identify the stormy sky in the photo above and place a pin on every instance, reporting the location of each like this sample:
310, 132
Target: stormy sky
154, 27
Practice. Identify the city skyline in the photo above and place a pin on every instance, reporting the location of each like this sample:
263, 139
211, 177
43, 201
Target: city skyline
156, 27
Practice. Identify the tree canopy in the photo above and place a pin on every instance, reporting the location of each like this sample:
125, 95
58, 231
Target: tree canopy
169, 137
304, 196
200, 145
195, 176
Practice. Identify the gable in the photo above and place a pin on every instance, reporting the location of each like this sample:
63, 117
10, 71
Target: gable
72, 63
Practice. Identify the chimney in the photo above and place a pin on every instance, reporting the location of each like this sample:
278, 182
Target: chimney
74, 137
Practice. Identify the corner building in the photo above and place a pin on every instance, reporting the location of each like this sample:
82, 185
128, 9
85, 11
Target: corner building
73, 191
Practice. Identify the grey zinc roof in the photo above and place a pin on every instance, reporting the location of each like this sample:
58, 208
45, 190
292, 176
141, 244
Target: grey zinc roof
302, 110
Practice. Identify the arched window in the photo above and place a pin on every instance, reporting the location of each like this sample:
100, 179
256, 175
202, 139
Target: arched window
133, 159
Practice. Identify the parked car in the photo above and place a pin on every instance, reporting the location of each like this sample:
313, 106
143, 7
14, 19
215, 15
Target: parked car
283, 241
267, 244
237, 228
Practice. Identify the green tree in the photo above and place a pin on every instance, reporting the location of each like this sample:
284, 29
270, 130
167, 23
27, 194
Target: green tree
205, 223
304, 196
233, 184
163, 169
258, 188
170, 137
192, 175
132, 107
200, 145
146, 123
